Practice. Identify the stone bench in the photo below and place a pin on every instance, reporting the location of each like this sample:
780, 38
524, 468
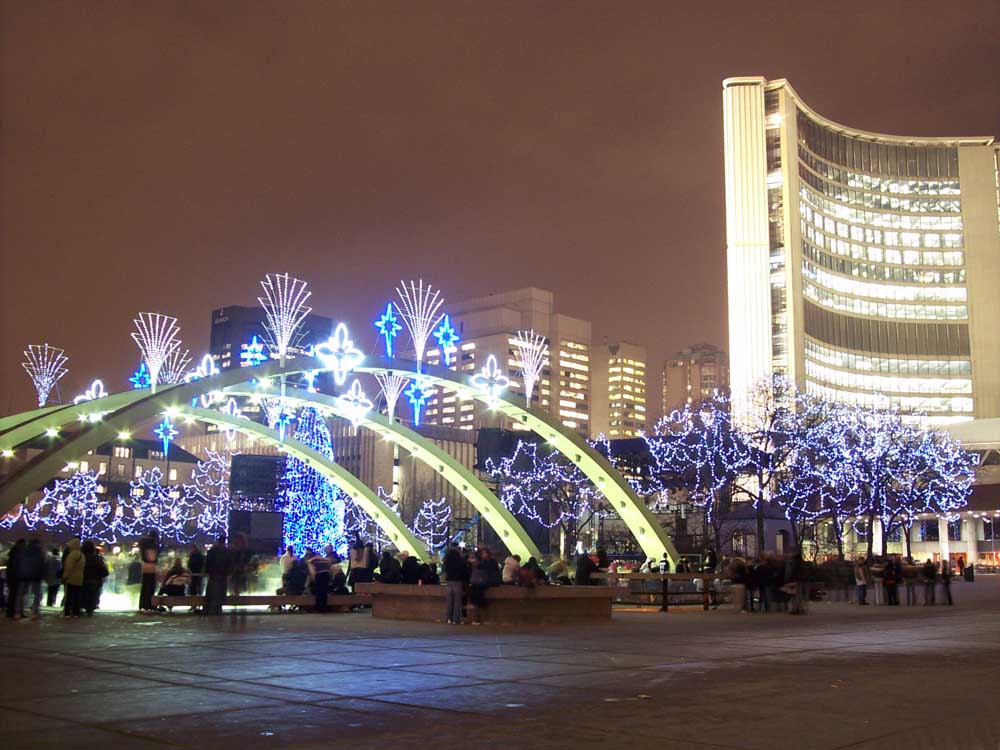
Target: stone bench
512, 605
335, 603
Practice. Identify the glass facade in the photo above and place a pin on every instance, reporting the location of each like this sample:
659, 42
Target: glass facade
884, 303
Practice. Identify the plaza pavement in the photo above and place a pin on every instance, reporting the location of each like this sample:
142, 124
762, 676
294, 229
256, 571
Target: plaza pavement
842, 677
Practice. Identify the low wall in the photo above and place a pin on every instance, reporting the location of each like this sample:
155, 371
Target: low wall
504, 604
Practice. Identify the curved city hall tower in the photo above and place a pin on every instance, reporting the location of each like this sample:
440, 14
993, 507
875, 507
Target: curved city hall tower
866, 267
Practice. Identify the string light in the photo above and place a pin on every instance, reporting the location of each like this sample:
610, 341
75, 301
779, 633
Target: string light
284, 304
392, 385
94, 392
491, 381
447, 339
45, 366
432, 523
419, 308
532, 356
339, 354
156, 337
355, 403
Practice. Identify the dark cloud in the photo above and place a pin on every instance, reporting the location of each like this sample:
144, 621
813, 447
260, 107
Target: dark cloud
166, 155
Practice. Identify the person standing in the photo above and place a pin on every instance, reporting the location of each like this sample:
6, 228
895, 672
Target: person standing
929, 572
456, 571
862, 577
890, 578
358, 565
910, 581
196, 568
485, 573
149, 552
946, 581
30, 572
217, 571
95, 570
14, 558
53, 576
72, 575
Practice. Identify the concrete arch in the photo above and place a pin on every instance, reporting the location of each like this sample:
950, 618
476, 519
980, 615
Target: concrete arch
631, 509
467, 483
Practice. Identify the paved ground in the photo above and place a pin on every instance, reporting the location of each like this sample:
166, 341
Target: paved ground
842, 677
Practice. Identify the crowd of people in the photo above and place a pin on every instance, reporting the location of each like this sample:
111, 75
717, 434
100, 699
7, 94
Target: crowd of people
79, 570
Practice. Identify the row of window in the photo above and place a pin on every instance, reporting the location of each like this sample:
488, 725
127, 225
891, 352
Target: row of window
895, 292
881, 219
912, 404
855, 194
886, 383
877, 254
942, 368
862, 270
860, 155
872, 309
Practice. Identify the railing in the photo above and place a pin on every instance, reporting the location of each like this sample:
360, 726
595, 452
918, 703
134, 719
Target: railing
708, 591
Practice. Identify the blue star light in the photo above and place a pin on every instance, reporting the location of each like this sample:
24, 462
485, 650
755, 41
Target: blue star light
447, 339
282, 422
416, 394
165, 431
253, 353
140, 378
388, 325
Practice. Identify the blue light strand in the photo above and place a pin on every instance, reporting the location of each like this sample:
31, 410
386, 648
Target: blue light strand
388, 327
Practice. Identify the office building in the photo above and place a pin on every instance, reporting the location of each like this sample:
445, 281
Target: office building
487, 325
865, 267
619, 390
694, 374
235, 326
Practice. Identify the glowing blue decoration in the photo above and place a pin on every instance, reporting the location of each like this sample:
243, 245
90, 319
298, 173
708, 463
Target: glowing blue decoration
309, 378
388, 325
447, 339
140, 378
355, 403
282, 422
93, 393
165, 431
338, 354
491, 380
416, 394
253, 353
313, 506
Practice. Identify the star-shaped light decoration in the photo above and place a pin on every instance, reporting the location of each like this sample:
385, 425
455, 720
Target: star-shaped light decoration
416, 394
253, 353
93, 393
491, 381
282, 423
447, 339
338, 354
388, 325
165, 431
355, 403
140, 378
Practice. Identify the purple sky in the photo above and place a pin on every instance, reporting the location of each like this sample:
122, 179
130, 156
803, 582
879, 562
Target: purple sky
164, 156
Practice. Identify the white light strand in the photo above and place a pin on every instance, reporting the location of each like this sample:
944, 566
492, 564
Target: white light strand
175, 366
532, 355
284, 303
45, 366
420, 310
392, 385
156, 336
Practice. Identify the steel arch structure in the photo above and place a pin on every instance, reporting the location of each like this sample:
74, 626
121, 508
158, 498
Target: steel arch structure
139, 406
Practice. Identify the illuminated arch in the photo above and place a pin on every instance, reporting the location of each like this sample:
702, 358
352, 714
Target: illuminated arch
493, 512
139, 406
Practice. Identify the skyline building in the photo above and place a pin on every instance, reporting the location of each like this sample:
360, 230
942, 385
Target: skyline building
620, 407
863, 266
694, 374
488, 325
234, 326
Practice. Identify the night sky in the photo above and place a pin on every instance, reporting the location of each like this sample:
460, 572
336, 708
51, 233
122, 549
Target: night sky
166, 155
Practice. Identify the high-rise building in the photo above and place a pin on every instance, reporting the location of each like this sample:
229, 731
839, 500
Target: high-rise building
694, 374
234, 327
487, 325
619, 390
865, 267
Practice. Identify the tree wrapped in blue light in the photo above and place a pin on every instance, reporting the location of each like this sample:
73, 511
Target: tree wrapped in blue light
313, 506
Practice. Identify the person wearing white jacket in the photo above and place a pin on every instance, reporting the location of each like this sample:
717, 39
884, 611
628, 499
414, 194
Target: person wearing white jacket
511, 569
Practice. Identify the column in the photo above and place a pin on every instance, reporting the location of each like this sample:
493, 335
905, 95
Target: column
943, 539
970, 535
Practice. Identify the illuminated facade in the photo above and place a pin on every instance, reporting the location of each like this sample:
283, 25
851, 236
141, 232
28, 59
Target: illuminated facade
488, 325
865, 267
694, 374
619, 409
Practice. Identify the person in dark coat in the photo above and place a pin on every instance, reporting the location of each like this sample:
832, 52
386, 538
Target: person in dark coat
53, 576
95, 570
319, 574
30, 572
149, 553
389, 569
456, 572
585, 567
13, 560
196, 569
217, 571
485, 574
410, 570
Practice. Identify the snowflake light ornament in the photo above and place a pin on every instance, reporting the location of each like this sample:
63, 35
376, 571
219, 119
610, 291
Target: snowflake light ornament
355, 403
491, 381
338, 354
447, 339
253, 353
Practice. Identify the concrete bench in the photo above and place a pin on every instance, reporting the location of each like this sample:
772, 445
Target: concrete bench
335, 603
514, 605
